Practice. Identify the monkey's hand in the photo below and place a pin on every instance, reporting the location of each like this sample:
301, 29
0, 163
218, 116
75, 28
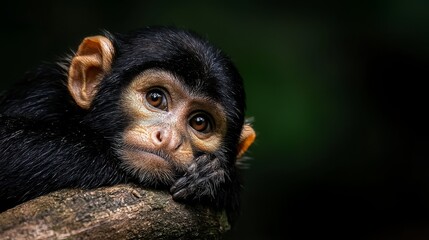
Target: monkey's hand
206, 182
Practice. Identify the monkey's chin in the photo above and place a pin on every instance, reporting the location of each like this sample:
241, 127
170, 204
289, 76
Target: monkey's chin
150, 169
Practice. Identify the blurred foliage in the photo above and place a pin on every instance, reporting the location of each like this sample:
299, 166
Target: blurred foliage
336, 90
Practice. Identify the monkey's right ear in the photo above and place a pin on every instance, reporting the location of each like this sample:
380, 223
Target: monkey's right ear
88, 67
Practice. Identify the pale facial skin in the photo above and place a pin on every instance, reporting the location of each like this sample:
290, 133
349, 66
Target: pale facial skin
169, 125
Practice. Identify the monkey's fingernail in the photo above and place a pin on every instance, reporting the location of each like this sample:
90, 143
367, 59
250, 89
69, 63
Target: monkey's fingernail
179, 195
177, 186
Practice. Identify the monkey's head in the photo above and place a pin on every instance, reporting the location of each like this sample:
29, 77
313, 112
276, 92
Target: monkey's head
163, 97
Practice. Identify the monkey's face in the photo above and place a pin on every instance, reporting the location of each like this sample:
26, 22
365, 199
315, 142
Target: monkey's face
170, 125
181, 97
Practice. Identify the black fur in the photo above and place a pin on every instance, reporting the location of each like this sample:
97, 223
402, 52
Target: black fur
48, 143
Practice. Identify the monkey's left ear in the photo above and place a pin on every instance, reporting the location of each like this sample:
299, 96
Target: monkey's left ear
247, 137
91, 62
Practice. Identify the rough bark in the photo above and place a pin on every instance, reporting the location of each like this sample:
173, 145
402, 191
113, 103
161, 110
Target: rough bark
119, 212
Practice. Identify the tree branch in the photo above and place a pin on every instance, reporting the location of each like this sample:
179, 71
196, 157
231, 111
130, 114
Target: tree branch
118, 212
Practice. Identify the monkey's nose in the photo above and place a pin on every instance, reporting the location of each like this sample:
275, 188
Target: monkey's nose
166, 140
159, 137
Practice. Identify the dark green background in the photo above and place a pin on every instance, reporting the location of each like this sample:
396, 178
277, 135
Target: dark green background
337, 90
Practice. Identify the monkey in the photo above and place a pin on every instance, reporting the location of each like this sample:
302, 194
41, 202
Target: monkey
159, 106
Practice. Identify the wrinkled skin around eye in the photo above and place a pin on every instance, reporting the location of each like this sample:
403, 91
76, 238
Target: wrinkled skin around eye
200, 123
157, 99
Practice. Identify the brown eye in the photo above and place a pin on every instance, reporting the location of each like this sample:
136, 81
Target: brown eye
156, 98
201, 123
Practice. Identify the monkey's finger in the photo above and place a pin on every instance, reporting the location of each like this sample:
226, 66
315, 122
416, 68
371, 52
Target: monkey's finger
178, 185
180, 195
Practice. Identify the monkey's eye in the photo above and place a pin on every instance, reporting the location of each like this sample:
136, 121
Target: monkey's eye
201, 122
156, 98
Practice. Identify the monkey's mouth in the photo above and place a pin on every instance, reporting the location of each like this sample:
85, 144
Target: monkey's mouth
148, 154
